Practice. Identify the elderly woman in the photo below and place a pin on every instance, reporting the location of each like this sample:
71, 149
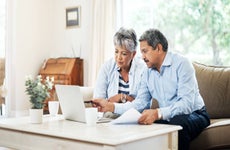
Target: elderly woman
120, 76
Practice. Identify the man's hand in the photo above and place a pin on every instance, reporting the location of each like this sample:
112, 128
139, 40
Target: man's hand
148, 116
103, 105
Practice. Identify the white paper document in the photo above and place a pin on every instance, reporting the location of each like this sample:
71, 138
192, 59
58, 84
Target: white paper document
129, 117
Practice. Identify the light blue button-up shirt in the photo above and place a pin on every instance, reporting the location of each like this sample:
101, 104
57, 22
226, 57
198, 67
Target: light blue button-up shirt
175, 87
107, 83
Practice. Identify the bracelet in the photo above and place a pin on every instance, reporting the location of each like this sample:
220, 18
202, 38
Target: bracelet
123, 98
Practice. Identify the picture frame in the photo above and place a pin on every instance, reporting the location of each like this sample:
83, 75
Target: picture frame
73, 17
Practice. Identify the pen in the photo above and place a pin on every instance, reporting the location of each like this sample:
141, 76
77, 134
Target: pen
89, 101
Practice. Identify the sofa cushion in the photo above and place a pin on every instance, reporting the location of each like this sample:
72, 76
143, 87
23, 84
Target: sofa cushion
219, 122
216, 136
214, 86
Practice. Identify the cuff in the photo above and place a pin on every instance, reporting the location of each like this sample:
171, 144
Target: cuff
165, 113
120, 108
159, 114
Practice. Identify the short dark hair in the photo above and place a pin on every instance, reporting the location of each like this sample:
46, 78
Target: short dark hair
154, 37
126, 38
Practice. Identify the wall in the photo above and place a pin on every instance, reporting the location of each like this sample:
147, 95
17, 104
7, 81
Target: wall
36, 31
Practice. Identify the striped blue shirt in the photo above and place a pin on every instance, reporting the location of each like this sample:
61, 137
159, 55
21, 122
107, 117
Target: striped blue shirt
123, 86
175, 88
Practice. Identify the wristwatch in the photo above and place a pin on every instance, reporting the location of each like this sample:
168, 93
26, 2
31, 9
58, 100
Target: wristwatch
123, 98
159, 114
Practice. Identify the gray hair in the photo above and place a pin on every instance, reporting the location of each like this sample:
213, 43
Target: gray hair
126, 38
154, 37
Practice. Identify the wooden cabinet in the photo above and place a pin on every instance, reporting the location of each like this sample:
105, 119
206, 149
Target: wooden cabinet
67, 71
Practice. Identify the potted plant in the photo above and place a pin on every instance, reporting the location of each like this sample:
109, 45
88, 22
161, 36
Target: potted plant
38, 90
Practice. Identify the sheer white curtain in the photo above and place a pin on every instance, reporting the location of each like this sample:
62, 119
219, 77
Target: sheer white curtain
103, 29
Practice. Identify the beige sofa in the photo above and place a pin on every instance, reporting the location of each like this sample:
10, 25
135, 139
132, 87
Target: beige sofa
214, 85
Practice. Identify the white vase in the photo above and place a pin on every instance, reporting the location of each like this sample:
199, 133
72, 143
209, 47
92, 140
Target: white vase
36, 115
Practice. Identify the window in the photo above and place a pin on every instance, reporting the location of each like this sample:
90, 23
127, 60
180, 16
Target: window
199, 29
2, 55
2, 28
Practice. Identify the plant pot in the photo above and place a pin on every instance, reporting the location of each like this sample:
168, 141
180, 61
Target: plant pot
36, 115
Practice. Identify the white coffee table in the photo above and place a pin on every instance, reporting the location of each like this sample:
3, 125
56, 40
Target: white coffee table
57, 133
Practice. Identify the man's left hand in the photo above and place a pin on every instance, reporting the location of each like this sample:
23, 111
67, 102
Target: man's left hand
148, 117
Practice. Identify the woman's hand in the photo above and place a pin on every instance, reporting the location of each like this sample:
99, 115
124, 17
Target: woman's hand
117, 98
129, 98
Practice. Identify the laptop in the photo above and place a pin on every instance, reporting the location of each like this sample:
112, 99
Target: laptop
72, 102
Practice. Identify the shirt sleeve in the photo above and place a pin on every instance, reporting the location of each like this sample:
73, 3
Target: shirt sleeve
186, 92
100, 89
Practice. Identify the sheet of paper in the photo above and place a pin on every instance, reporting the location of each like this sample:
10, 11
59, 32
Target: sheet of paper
129, 117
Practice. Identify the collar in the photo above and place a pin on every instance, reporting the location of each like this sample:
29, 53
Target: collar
168, 60
166, 63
